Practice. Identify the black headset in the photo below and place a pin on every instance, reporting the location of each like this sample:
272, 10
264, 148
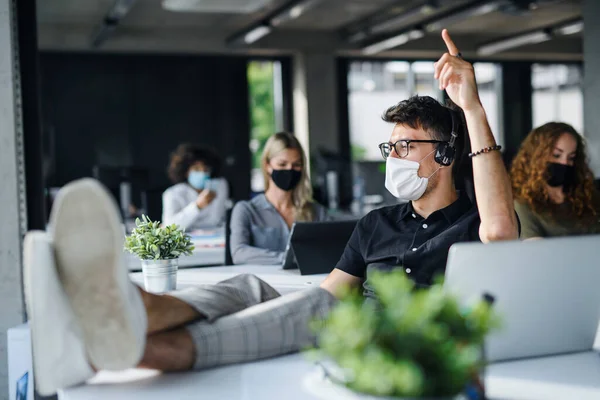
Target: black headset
446, 151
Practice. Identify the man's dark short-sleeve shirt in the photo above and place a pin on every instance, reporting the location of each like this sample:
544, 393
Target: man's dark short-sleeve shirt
397, 237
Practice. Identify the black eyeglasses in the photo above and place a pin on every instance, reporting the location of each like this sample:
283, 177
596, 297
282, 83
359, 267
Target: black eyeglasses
401, 147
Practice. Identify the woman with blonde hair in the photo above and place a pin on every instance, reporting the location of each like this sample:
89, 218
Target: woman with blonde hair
260, 227
553, 185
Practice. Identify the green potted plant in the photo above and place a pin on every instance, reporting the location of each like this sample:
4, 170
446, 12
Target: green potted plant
410, 343
159, 248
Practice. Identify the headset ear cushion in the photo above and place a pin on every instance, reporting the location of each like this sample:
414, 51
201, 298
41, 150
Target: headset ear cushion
444, 154
439, 152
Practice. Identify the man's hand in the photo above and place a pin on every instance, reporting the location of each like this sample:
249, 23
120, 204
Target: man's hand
457, 76
204, 198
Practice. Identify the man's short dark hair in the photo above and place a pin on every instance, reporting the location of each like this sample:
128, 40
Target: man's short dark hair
428, 114
188, 154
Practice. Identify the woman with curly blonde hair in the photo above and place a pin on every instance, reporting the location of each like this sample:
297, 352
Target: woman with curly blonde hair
553, 185
260, 227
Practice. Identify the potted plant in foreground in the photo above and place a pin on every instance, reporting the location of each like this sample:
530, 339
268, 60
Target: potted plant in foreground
411, 343
159, 248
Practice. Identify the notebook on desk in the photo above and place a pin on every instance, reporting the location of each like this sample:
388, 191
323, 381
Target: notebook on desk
316, 247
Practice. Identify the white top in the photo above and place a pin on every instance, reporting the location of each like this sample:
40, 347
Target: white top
179, 206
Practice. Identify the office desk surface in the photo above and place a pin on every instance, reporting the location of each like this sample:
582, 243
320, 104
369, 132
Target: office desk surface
283, 280
574, 376
549, 378
276, 378
564, 377
200, 257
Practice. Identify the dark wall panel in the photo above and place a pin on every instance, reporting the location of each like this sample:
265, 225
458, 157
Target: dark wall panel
124, 110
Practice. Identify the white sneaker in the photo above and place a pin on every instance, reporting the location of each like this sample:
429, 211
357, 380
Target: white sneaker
88, 241
59, 354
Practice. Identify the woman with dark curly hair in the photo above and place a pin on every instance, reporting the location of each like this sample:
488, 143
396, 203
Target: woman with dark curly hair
553, 185
197, 200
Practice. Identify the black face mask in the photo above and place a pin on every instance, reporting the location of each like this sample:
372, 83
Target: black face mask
560, 175
286, 179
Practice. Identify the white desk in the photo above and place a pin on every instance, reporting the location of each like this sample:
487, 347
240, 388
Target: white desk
276, 378
201, 257
284, 281
565, 377
210, 250
551, 378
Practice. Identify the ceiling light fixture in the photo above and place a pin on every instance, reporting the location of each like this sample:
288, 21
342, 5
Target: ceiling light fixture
474, 11
357, 37
569, 29
115, 14
293, 12
120, 9
256, 33
392, 42
403, 18
513, 42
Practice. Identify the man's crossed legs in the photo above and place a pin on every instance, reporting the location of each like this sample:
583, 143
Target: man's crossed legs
86, 314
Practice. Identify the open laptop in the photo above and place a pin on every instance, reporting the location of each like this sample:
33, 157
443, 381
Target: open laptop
547, 292
316, 247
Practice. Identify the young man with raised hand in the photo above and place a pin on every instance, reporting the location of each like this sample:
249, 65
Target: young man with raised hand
98, 319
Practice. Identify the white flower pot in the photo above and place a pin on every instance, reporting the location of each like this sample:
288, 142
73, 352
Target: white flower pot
160, 275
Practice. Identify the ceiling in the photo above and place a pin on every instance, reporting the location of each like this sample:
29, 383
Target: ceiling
326, 26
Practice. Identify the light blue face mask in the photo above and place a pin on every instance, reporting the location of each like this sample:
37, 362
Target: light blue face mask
198, 179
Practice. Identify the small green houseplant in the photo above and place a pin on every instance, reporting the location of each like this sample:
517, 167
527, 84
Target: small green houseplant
410, 343
159, 248
150, 241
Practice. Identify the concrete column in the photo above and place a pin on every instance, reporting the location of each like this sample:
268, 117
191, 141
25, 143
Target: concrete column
315, 101
591, 81
12, 195
319, 120
516, 106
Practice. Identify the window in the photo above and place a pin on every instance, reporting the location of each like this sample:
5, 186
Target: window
374, 86
266, 111
489, 87
557, 94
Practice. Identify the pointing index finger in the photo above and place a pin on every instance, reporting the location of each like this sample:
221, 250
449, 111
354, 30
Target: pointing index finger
452, 49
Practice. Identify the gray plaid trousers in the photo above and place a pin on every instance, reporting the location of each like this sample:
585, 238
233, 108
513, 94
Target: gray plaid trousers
246, 320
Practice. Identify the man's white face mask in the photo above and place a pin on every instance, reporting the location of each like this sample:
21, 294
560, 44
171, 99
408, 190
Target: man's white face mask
402, 179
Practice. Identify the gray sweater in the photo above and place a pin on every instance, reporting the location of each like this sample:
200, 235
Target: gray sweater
259, 234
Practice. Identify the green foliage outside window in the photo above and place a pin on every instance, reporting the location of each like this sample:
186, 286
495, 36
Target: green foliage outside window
262, 109
359, 153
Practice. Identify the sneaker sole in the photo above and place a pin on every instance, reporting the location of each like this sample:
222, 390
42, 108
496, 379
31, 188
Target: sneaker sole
59, 354
88, 240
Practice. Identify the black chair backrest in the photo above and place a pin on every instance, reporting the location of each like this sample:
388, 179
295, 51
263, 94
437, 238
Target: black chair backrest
228, 258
